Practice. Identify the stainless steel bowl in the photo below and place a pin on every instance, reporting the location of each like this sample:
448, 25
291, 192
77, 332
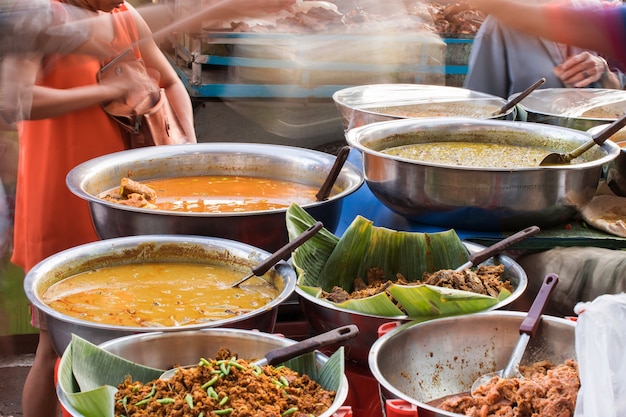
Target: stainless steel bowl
367, 104
145, 249
264, 229
576, 108
485, 199
325, 316
164, 350
422, 362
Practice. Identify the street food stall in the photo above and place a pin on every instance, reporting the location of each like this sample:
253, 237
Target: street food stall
281, 74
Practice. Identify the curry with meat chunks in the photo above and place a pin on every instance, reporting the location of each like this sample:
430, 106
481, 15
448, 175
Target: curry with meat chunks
158, 294
211, 194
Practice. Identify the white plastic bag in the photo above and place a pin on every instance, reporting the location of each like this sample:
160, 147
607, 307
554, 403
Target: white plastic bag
601, 354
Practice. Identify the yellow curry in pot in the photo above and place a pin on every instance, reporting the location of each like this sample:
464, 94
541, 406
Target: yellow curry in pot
158, 294
472, 154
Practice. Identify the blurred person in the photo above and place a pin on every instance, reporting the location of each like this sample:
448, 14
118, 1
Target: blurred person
29, 28
504, 61
595, 28
64, 125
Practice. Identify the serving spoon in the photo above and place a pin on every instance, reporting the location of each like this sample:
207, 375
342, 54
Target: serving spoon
599, 138
519, 97
279, 355
527, 329
482, 255
265, 265
327, 186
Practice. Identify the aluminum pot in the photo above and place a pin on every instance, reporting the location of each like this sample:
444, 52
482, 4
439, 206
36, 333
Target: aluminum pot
265, 229
365, 104
423, 362
325, 316
615, 170
480, 199
164, 350
146, 249
576, 108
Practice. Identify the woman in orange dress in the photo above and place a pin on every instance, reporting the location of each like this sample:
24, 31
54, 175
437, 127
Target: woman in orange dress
67, 127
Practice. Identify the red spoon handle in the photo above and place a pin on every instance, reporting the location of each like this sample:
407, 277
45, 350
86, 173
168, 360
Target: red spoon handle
531, 323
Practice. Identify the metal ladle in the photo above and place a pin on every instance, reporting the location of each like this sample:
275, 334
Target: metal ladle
281, 253
527, 329
599, 138
279, 355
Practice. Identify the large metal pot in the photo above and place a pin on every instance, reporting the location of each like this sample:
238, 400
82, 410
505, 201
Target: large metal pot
576, 108
146, 249
325, 316
367, 104
422, 362
163, 350
264, 229
487, 199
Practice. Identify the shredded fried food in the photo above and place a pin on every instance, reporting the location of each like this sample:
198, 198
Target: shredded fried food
225, 386
486, 280
546, 390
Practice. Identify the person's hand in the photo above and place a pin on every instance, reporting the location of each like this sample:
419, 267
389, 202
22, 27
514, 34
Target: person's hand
581, 70
131, 82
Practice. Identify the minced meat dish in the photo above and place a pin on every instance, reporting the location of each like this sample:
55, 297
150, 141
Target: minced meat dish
546, 390
225, 386
486, 280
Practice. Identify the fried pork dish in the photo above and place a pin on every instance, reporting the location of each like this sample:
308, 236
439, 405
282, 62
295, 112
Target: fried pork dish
546, 390
486, 280
132, 193
225, 386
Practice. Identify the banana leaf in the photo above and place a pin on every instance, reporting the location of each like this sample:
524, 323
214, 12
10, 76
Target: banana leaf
326, 261
89, 375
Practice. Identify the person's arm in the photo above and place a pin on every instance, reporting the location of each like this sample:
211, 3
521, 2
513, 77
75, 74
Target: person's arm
22, 99
174, 88
558, 23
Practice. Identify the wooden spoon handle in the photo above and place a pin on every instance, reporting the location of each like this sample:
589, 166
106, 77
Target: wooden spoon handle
609, 131
325, 189
286, 250
598, 139
520, 97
